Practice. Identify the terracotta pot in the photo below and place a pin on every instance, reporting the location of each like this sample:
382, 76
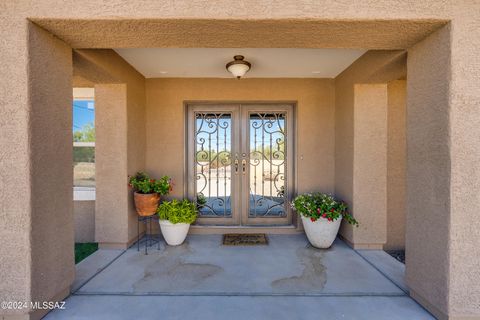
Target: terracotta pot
146, 204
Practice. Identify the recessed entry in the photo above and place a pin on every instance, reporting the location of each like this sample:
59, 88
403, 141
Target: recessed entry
266, 62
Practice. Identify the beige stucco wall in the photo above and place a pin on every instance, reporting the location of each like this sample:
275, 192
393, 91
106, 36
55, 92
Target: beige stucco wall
396, 165
429, 171
51, 142
120, 140
443, 198
165, 119
449, 85
464, 95
84, 220
370, 165
360, 143
111, 205
373, 67
36, 215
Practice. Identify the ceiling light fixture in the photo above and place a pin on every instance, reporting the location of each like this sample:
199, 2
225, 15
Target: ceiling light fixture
238, 67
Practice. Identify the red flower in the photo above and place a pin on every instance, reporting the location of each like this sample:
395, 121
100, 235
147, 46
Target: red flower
330, 219
324, 215
313, 219
331, 210
318, 210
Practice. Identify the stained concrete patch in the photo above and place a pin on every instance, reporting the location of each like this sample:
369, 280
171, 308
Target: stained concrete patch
170, 272
313, 277
202, 266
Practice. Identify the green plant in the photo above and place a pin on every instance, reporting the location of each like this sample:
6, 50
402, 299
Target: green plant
201, 200
320, 205
83, 250
85, 134
142, 183
175, 211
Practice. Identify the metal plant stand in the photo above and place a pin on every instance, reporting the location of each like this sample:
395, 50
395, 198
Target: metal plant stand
148, 238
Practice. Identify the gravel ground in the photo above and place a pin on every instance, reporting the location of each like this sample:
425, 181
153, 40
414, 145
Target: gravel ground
397, 254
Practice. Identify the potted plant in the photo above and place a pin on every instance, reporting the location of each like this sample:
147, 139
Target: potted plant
175, 218
321, 216
147, 192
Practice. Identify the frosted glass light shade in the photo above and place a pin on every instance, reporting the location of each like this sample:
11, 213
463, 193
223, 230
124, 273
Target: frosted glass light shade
238, 70
238, 67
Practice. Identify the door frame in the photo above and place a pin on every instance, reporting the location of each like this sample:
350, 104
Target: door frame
218, 226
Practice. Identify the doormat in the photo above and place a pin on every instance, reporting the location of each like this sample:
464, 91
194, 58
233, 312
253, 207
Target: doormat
245, 239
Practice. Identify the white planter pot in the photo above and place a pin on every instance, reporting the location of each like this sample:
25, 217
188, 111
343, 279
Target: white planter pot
174, 234
322, 232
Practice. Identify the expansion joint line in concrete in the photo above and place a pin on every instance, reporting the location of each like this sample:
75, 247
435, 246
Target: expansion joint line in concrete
386, 276
239, 294
382, 273
98, 271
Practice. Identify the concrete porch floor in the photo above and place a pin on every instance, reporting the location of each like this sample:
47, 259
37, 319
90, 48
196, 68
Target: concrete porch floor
288, 279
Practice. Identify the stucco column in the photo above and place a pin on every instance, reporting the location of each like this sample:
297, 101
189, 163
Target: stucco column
443, 180
36, 177
396, 165
112, 194
369, 167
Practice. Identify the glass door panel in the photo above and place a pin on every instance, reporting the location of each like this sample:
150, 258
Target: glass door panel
239, 164
267, 165
213, 163
211, 181
266, 147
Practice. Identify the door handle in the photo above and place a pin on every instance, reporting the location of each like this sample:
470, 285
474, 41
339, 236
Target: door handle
236, 166
235, 163
244, 166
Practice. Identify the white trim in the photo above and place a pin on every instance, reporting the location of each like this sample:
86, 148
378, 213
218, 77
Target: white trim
84, 144
83, 194
83, 93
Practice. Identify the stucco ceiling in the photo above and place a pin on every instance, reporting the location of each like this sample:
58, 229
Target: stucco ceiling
266, 62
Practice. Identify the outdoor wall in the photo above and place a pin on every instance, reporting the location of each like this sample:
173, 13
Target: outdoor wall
84, 220
120, 140
396, 165
361, 143
443, 180
36, 187
443, 96
165, 122
369, 203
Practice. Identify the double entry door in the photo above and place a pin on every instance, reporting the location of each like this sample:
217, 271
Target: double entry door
240, 163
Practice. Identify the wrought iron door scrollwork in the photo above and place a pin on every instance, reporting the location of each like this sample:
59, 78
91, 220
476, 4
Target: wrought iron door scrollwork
268, 164
213, 163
